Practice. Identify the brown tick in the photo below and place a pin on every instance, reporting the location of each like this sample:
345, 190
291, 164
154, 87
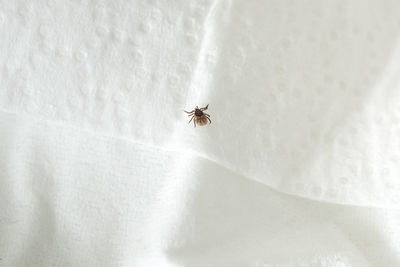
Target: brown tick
201, 118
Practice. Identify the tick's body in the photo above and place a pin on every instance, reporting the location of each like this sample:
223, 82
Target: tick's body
198, 116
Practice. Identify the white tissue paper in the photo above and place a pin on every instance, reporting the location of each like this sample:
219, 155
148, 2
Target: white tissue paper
299, 167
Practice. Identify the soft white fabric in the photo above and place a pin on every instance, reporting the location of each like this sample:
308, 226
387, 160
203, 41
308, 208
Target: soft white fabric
300, 166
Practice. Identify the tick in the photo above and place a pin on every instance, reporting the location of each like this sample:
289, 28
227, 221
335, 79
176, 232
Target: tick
201, 118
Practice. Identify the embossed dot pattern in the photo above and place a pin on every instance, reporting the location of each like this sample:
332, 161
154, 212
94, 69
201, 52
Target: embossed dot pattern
304, 95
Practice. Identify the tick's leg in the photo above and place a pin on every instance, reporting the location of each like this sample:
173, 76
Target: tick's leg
206, 114
209, 119
194, 122
189, 112
191, 119
206, 107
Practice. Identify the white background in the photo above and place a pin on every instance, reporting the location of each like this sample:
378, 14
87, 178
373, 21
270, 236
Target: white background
300, 166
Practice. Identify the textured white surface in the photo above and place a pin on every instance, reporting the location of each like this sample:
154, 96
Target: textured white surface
300, 166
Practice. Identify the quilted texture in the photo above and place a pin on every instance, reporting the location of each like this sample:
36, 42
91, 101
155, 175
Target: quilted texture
100, 168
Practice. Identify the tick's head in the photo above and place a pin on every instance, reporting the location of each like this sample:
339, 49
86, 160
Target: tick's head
198, 112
